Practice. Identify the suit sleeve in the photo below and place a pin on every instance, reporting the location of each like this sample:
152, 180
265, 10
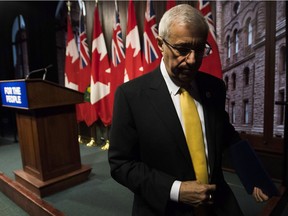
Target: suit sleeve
125, 157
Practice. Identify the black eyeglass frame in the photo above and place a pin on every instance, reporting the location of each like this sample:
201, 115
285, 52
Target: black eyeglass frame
185, 51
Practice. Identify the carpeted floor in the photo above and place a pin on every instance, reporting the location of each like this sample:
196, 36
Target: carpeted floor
10, 159
100, 195
9, 208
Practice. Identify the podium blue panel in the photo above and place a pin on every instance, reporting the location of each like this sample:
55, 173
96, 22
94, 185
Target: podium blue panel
14, 94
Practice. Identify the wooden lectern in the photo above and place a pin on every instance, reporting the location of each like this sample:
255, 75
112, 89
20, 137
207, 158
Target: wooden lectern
48, 134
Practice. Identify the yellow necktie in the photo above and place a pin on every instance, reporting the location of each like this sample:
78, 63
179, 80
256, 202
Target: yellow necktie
194, 135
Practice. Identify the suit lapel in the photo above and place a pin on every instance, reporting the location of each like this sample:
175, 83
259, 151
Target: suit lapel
163, 105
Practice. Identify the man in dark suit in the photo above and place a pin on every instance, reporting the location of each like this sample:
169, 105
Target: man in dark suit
148, 150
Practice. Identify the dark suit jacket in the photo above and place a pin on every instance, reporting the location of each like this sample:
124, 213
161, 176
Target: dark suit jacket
148, 150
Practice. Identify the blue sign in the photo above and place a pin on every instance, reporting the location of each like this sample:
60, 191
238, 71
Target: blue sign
14, 94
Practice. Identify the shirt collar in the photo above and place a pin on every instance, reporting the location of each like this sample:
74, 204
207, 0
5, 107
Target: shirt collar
172, 87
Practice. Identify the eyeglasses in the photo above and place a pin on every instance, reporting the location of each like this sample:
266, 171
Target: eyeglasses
185, 51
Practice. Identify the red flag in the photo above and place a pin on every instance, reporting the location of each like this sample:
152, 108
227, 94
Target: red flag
170, 4
72, 59
133, 63
212, 63
151, 55
100, 74
72, 64
84, 73
118, 57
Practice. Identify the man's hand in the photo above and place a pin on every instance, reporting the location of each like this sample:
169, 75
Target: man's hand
195, 193
259, 195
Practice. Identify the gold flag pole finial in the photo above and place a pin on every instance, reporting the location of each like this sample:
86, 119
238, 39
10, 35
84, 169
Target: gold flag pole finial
92, 143
80, 139
69, 6
107, 143
106, 146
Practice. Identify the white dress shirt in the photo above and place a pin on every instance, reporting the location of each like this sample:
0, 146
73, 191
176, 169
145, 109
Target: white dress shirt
175, 96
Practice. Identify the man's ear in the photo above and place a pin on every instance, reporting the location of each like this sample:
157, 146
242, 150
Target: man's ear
160, 43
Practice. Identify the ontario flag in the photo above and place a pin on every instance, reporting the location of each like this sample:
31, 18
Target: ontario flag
100, 74
212, 63
170, 4
133, 62
151, 53
85, 72
117, 57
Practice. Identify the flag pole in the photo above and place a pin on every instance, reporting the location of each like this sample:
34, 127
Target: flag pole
116, 5
80, 140
107, 143
93, 128
93, 133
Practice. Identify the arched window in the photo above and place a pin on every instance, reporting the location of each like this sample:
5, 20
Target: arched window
19, 46
282, 60
246, 76
236, 7
281, 116
234, 81
245, 112
228, 47
236, 40
250, 33
233, 114
226, 80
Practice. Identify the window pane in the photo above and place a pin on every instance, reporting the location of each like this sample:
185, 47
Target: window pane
249, 33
